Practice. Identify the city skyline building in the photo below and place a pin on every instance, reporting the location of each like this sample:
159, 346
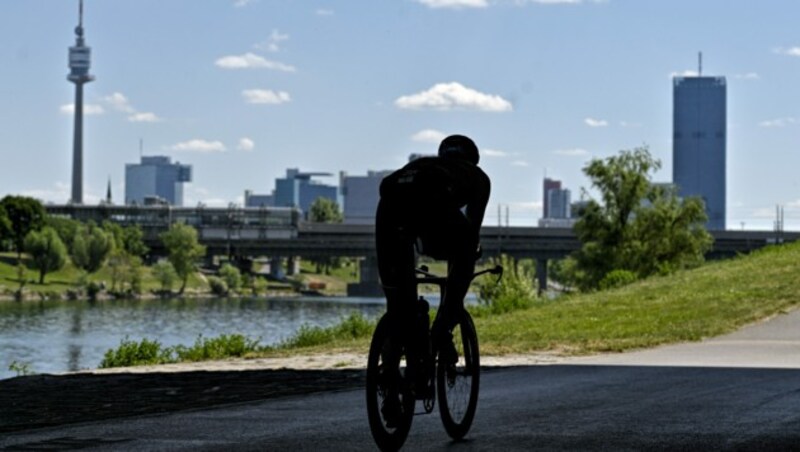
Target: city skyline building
156, 179
699, 142
80, 56
558, 200
252, 199
549, 184
298, 189
360, 195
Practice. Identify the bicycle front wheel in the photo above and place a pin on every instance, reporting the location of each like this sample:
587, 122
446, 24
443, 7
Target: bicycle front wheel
390, 401
457, 382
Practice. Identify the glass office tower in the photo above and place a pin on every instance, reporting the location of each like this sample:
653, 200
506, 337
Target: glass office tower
699, 141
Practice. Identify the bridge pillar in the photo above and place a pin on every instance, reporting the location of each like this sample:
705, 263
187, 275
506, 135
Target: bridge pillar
292, 266
541, 275
276, 269
369, 284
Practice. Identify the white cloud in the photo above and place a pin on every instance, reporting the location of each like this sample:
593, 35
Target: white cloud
686, 73
252, 61
202, 146
791, 51
119, 102
429, 136
575, 152
60, 193
453, 96
520, 163
242, 3
779, 122
454, 4
591, 122
88, 109
324, 12
144, 117
559, 2
273, 43
747, 76
493, 153
265, 96
246, 144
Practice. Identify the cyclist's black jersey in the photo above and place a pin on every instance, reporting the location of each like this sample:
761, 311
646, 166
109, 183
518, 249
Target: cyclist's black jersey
435, 184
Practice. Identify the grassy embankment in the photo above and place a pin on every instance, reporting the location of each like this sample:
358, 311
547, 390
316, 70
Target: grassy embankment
691, 305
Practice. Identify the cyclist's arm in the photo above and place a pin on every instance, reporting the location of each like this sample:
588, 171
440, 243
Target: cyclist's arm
476, 207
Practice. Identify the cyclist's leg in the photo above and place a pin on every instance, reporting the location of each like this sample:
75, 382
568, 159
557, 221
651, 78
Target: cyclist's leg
460, 247
395, 252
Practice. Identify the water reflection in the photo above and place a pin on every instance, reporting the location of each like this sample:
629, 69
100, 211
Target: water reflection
57, 336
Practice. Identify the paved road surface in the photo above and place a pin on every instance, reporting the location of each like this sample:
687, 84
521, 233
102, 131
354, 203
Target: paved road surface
738, 392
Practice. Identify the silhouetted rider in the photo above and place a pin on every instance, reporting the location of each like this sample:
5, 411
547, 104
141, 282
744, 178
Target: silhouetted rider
436, 204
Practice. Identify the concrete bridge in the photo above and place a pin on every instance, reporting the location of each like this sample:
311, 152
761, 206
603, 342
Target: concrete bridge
279, 234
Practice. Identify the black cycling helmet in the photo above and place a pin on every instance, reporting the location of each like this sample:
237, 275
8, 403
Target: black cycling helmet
459, 146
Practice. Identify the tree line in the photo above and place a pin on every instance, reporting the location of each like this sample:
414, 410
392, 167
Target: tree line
51, 242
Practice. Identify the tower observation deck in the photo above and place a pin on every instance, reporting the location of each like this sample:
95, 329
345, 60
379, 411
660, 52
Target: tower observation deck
80, 56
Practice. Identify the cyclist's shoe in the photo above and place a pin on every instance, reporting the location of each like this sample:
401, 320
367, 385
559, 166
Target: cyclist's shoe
392, 411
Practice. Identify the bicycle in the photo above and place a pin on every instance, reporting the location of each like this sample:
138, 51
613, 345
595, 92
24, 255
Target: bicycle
391, 373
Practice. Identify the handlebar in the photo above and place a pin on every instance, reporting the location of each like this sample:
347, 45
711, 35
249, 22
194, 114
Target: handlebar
431, 278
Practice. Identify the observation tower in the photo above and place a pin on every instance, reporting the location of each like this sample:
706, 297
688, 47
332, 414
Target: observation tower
80, 56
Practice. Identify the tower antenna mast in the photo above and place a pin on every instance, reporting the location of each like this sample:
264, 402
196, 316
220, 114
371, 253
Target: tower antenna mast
699, 64
80, 57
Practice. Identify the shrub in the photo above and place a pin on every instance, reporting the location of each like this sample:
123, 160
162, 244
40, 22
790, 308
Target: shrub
617, 278
515, 290
132, 353
217, 285
164, 272
224, 346
354, 326
232, 277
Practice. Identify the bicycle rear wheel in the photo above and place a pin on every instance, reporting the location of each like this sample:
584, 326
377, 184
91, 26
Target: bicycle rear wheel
386, 380
458, 383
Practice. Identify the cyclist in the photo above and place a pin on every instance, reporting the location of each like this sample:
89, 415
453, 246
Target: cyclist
435, 204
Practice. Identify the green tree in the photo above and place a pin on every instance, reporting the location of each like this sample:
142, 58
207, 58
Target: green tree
639, 227
165, 274
91, 247
325, 210
67, 228
183, 250
130, 239
232, 276
24, 215
5, 227
47, 252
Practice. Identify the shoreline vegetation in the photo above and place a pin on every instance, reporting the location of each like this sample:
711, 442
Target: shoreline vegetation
70, 283
690, 305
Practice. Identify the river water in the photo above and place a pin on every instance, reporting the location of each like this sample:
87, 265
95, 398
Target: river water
59, 336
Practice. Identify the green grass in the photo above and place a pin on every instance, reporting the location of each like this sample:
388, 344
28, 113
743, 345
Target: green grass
714, 299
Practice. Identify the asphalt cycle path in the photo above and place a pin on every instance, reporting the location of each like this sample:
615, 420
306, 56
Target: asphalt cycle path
736, 392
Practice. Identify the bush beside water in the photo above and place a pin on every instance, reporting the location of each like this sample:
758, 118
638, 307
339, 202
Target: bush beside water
150, 352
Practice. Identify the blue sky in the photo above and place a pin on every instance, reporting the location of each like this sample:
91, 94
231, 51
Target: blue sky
242, 90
